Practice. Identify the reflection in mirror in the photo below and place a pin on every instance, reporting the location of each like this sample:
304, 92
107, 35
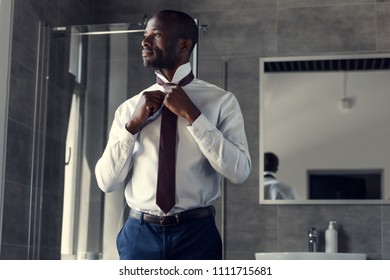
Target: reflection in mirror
273, 188
326, 118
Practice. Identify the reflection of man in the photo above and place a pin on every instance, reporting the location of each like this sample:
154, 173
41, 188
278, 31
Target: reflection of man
273, 189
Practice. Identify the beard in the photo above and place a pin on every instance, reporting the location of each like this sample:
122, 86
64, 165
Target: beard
161, 60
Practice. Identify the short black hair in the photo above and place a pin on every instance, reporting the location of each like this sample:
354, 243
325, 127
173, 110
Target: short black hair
186, 27
271, 162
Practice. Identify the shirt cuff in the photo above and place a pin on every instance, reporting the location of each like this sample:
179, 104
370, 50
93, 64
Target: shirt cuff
199, 127
125, 136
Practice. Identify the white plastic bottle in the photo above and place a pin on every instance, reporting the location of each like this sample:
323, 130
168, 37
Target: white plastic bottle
331, 240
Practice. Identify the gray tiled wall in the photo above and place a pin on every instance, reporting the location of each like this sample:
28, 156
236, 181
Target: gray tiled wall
386, 233
336, 28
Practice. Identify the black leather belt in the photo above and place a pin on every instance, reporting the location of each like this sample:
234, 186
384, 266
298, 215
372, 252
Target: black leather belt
171, 220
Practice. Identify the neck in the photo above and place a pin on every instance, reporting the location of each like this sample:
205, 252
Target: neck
169, 73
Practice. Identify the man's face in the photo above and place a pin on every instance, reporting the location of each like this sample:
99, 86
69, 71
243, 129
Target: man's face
159, 46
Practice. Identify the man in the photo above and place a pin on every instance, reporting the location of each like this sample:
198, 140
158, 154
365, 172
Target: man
210, 142
274, 189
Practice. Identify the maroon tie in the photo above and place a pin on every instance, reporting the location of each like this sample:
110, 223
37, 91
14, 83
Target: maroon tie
166, 183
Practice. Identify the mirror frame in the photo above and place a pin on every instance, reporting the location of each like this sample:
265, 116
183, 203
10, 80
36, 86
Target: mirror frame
264, 60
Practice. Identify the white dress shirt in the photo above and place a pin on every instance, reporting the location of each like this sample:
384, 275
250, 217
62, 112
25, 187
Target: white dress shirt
214, 145
274, 189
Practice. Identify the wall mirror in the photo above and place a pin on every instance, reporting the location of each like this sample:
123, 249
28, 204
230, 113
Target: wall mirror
327, 120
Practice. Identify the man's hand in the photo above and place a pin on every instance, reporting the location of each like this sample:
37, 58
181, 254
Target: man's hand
179, 103
148, 104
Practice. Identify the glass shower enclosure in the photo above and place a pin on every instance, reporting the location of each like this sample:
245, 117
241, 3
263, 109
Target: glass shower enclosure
85, 73
91, 70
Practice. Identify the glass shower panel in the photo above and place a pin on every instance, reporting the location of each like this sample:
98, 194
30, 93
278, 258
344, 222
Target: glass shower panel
73, 147
92, 70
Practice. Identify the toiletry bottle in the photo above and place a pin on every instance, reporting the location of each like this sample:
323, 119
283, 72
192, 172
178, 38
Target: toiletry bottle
331, 238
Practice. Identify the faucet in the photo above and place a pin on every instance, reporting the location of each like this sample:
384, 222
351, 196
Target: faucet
313, 244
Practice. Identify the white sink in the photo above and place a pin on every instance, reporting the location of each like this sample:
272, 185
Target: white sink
309, 256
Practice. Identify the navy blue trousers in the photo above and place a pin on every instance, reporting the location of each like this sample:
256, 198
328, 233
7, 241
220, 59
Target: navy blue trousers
195, 240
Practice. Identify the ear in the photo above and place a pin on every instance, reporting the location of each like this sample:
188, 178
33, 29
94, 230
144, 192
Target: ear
185, 45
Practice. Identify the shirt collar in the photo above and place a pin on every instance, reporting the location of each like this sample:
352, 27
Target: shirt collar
180, 73
270, 173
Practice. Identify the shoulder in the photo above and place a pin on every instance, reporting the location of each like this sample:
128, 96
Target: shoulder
202, 84
209, 89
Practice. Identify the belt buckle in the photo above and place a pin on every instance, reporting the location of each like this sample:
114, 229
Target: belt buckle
168, 220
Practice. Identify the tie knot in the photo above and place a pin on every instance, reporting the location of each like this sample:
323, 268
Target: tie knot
183, 82
166, 85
